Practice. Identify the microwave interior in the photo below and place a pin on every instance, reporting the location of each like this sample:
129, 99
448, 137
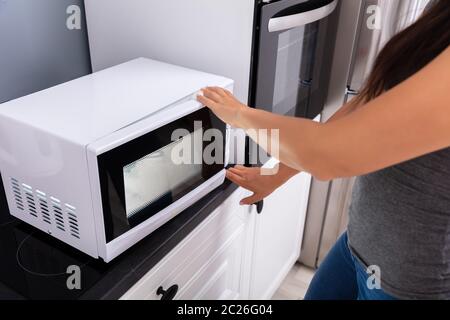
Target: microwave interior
140, 178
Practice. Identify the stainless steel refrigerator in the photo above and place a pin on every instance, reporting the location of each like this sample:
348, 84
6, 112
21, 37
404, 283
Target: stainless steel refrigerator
364, 28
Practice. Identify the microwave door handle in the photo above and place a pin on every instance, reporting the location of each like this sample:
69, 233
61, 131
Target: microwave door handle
302, 18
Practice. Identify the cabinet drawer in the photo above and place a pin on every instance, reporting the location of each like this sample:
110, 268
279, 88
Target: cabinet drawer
202, 258
219, 277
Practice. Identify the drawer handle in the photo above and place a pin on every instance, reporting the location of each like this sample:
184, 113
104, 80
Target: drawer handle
168, 294
259, 206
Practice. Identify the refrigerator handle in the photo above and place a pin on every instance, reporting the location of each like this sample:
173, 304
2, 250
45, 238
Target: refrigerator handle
301, 18
350, 94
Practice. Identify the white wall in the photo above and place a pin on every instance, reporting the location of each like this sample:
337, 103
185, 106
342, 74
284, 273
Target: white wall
209, 35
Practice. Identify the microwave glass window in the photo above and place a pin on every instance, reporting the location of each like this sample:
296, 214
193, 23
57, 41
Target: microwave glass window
172, 177
293, 74
140, 178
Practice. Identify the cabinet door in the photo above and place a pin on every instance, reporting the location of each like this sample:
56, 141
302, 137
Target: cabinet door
278, 235
220, 277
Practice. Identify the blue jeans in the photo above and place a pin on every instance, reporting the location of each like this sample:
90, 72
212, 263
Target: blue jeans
342, 277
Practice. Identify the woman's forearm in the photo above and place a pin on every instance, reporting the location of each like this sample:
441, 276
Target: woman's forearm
288, 172
397, 126
408, 121
292, 132
285, 172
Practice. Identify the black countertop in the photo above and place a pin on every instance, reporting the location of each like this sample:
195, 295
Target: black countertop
33, 265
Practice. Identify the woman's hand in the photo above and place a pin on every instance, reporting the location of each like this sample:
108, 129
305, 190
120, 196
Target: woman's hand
261, 185
223, 104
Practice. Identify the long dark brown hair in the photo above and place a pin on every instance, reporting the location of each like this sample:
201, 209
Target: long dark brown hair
409, 51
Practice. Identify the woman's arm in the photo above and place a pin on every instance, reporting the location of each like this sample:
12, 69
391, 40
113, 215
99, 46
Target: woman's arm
261, 185
408, 121
345, 110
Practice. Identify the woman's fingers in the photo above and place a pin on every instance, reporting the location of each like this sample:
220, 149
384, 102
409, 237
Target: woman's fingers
251, 200
226, 107
206, 101
233, 177
218, 90
212, 95
228, 93
238, 171
243, 173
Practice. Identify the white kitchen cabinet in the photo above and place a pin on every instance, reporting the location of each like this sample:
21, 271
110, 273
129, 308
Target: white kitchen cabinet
235, 253
278, 235
209, 263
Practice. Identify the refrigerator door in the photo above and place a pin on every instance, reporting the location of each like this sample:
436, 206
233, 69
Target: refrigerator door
379, 21
366, 46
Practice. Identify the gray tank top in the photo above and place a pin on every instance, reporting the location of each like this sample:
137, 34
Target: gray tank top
400, 221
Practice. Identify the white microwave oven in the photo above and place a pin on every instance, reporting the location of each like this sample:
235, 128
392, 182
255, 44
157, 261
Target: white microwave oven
90, 161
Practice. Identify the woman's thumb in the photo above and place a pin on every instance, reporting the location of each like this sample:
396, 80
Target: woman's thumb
250, 200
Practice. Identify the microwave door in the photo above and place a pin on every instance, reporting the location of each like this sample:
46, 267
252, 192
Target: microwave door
293, 56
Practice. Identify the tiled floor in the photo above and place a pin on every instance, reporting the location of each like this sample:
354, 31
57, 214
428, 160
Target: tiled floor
295, 285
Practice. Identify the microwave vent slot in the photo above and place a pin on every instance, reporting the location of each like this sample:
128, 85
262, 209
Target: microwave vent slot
17, 193
43, 205
72, 218
58, 214
51, 210
31, 203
